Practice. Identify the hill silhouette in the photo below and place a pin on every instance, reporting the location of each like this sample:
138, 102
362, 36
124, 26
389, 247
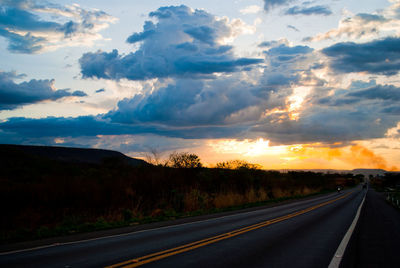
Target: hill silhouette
10, 152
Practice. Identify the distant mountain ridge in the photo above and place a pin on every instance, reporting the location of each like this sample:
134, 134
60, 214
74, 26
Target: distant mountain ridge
68, 154
363, 171
367, 172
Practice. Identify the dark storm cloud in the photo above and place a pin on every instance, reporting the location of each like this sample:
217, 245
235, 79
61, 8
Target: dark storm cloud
183, 43
13, 95
375, 57
18, 128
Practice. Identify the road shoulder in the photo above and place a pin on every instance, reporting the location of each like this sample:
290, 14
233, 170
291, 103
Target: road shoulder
374, 242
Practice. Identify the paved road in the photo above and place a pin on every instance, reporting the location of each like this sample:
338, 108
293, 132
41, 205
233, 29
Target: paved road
376, 238
300, 234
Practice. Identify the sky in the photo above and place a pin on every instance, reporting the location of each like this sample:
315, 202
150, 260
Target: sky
288, 84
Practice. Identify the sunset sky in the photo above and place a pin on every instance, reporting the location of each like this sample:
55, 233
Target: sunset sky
286, 84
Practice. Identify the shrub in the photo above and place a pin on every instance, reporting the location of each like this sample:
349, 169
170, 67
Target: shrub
184, 160
237, 164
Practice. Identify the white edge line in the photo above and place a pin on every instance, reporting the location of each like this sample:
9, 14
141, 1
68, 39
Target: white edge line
134, 232
337, 257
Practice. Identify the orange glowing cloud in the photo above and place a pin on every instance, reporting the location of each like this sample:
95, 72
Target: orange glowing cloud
362, 156
347, 157
297, 156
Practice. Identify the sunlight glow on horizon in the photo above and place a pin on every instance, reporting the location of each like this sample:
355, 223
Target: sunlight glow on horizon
297, 156
246, 147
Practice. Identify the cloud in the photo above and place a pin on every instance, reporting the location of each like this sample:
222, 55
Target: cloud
14, 95
279, 52
189, 107
60, 127
270, 4
184, 43
382, 100
148, 30
353, 155
267, 44
379, 92
22, 23
360, 91
394, 110
288, 76
313, 10
376, 57
361, 156
283, 49
394, 132
365, 26
23, 43
140, 144
252, 103
358, 112
327, 124
253, 9
292, 28
284, 64
191, 103
20, 128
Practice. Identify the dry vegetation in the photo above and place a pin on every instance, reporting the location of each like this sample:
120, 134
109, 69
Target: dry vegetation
41, 197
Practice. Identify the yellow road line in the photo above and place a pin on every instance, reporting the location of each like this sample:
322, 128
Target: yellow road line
201, 243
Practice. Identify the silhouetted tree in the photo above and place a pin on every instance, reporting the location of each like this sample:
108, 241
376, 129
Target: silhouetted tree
153, 156
237, 164
184, 160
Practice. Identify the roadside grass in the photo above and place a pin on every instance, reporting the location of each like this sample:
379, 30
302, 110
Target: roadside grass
393, 198
389, 184
42, 198
75, 226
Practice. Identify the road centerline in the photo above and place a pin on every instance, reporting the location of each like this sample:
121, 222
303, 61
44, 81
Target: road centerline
135, 262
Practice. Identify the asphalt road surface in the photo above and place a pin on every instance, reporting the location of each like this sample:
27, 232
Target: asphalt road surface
304, 233
376, 238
